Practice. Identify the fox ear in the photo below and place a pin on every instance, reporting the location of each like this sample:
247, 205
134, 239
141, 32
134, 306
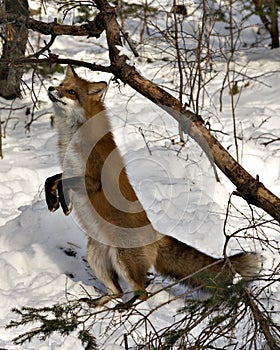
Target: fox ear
97, 89
70, 73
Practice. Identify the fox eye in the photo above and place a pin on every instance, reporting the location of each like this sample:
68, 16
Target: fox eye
71, 92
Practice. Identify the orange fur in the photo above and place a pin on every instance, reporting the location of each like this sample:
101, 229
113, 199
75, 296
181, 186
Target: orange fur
76, 96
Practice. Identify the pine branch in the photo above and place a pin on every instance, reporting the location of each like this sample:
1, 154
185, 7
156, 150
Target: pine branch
60, 318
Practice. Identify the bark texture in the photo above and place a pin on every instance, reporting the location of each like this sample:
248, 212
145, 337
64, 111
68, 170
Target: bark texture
15, 40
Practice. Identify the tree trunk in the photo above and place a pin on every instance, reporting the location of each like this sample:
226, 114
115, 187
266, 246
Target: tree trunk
274, 33
268, 13
15, 40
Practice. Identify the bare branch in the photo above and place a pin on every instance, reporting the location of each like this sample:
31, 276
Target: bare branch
54, 59
90, 29
262, 319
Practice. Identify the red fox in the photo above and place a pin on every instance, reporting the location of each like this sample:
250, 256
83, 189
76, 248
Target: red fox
122, 244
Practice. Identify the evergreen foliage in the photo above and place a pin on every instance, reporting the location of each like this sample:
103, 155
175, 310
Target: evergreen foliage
61, 318
216, 317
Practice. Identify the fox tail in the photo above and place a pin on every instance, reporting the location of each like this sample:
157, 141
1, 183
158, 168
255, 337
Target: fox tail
182, 262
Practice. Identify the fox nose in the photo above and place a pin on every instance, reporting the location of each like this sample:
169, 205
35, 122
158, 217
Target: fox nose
51, 88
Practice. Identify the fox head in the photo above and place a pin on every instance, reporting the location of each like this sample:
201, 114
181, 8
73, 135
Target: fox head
77, 96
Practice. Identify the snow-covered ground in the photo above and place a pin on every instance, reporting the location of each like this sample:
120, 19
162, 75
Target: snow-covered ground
43, 254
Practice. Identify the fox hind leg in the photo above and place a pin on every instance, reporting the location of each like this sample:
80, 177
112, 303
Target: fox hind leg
110, 265
133, 269
113, 289
100, 260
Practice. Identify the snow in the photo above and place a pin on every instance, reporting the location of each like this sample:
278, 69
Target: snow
43, 254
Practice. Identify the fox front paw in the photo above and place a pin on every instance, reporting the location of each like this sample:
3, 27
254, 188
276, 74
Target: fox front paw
51, 192
55, 196
64, 200
52, 202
